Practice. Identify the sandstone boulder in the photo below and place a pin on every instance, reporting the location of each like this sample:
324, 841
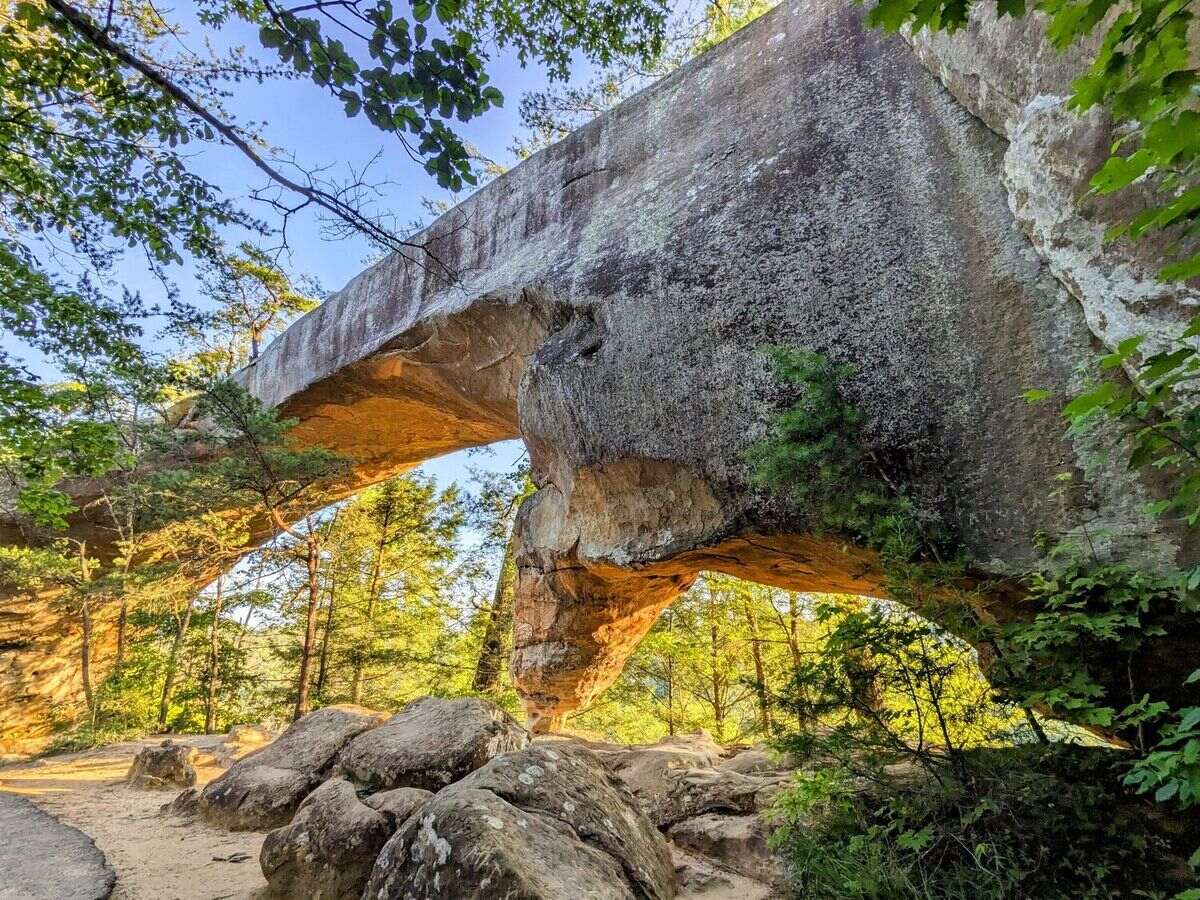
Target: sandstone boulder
185, 804
545, 823
329, 849
758, 761
263, 790
735, 844
169, 765
697, 878
431, 743
647, 770
694, 792
249, 735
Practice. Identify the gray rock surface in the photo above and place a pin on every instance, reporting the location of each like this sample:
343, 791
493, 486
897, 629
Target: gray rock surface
329, 849
695, 792
545, 823
699, 878
261, 791
431, 743
43, 859
169, 765
1051, 157
648, 771
758, 761
735, 844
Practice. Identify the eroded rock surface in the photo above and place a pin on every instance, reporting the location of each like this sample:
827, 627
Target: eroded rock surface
262, 791
737, 844
648, 770
169, 765
544, 823
330, 847
431, 743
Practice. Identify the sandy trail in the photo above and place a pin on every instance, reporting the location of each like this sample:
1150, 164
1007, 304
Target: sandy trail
155, 857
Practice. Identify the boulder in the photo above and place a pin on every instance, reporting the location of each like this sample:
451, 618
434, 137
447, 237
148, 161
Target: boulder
249, 735
647, 770
186, 804
694, 792
242, 740
545, 823
758, 761
431, 743
262, 791
169, 765
736, 844
697, 878
329, 849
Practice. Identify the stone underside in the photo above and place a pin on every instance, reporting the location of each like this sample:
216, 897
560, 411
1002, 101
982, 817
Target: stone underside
811, 183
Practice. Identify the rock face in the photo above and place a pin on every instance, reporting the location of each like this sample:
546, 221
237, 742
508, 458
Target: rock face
649, 772
544, 823
685, 776
737, 843
1051, 156
431, 743
329, 849
808, 182
168, 765
43, 859
262, 791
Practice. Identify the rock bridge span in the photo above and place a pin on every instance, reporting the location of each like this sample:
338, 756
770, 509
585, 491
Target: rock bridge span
811, 183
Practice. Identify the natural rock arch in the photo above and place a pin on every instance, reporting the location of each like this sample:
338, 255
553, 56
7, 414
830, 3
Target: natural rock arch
806, 183
809, 183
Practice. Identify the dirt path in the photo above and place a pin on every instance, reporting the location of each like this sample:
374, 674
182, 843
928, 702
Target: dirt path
155, 857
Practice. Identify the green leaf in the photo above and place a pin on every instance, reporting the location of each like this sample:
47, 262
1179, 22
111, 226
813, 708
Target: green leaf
1166, 792
1181, 271
1090, 401
1119, 171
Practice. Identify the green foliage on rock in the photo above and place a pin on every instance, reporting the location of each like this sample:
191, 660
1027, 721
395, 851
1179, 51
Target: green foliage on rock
814, 455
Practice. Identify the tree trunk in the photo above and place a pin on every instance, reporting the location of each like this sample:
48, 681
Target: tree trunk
356, 680
497, 639
214, 660
122, 622
85, 658
671, 695
310, 625
718, 699
323, 667
760, 671
164, 704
